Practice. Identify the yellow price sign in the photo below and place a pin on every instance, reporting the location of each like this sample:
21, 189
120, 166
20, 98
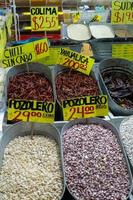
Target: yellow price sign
76, 17
75, 60
122, 12
85, 107
9, 23
31, 111
25, 53
44, 18
122, 51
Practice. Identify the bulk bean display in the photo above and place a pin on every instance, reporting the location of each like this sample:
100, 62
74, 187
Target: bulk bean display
126, 131
31, 170
94, 164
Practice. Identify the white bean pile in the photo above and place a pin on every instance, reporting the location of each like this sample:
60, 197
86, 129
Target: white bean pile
31, 170
126, 131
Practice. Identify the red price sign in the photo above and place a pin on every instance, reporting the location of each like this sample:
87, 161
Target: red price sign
44, 18
81, 112
73, 64
122, 12
41, 48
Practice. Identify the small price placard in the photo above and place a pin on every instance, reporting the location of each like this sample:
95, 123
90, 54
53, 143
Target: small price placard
75, 60
122, 12
122, 51
31, 111
76, 17
25, 53
85, 107
44, 18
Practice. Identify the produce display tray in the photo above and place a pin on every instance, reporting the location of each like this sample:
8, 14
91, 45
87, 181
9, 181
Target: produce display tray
59, 125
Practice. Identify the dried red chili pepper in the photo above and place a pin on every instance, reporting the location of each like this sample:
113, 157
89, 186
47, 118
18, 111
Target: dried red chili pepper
30, 86
75, 84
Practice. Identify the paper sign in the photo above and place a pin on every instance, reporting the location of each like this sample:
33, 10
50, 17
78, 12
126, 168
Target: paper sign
2, 45
122, 51
31, 111
52, 58
85, 107
25, 53
76, 17
44, 18
122, 12
9, 24
75, 61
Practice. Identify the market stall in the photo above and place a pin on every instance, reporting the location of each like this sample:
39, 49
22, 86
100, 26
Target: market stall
66, 100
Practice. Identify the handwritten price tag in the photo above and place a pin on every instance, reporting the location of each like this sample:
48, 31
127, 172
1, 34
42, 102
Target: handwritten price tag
122, 51
75, 61
25, 53
44, 18
31, 111
122, 12
85, 107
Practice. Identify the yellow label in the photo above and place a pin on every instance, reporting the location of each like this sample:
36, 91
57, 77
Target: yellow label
76, 17
2, 45
52, 58
85, 107
122, 12
31, 111
9, 24
44, 18
97, 18
25, 53
122, 51
74, 60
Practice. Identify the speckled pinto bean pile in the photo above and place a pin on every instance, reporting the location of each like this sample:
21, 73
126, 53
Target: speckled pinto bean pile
94, 164
75, 84
31, 170
126, 131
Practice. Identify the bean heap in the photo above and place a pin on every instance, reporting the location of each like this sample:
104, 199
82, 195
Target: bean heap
94, 164
75, 84
30, 86
31, 170
126, 131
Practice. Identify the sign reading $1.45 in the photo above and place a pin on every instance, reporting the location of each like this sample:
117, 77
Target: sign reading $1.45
31, 111
44, 18
85, 107
75, 61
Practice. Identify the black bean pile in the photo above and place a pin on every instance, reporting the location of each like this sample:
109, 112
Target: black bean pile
94, 164
75, 84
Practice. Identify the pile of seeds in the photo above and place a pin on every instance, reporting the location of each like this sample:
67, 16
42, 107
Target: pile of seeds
31, 170
94, 164
30, 86
75, 84
126, 131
